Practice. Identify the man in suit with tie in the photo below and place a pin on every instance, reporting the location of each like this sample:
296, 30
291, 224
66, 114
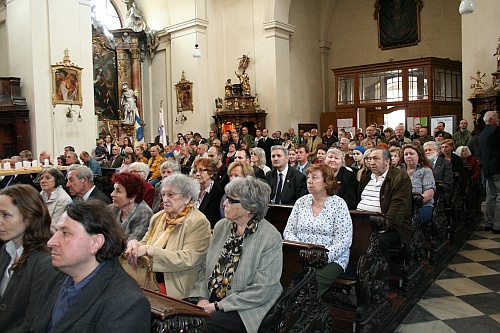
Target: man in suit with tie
302, 158
266, 144
81, 184
442, 168
287, 184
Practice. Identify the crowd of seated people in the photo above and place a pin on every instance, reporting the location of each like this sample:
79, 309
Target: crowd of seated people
189, 204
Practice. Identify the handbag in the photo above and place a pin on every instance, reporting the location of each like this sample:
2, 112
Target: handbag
143, 274
277, 312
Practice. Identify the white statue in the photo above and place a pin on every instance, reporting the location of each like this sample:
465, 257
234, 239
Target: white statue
128, 104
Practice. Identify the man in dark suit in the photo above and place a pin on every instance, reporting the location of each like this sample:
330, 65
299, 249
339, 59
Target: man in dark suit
242, 155
86, 248
489, 142
442, 168
287, 184
81, 184
266, 143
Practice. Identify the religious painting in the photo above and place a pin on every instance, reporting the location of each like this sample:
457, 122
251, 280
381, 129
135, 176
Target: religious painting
184, 90
105, 79
66, 82
398, 22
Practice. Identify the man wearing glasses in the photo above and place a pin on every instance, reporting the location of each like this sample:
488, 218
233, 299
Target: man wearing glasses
387, 190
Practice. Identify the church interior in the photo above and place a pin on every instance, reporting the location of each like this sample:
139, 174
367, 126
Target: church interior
73, 71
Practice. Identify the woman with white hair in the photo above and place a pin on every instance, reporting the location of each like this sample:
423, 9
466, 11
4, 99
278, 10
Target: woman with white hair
469, 160
258, 158
177, 239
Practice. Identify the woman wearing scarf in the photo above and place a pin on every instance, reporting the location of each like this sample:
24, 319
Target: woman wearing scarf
241, 279
177, 239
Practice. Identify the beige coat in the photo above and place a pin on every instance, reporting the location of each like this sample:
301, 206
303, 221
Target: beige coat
184, 253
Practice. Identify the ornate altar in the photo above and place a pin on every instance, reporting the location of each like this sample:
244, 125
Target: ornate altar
15, 134
239, 108
485, 98
117, 74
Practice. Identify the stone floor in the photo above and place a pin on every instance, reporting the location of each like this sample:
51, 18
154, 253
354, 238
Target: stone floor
466, 295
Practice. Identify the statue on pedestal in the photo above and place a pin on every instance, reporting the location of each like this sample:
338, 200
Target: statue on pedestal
498, 55
245, 82
229, 88
128, 104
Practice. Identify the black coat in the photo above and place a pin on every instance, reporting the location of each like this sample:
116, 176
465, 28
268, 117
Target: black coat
294, 185
489, 142
267, 149
211, 204
16, 179
348, 187
98, 195
25, 289
112, 301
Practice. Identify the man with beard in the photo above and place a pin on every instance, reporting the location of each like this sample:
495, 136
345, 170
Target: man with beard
442, 168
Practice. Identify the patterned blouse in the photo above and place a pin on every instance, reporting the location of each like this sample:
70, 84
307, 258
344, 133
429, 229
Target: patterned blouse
332, 227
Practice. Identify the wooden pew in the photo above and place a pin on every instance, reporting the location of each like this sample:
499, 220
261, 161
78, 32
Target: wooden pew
308, 313
368, 272
438, 224
172, 315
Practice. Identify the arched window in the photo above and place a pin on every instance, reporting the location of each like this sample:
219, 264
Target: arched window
106, 13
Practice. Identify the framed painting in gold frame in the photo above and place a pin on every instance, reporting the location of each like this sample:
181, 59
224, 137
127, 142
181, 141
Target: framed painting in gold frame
66, 82
184, 90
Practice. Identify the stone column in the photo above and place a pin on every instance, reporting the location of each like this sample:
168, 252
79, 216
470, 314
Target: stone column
324, 48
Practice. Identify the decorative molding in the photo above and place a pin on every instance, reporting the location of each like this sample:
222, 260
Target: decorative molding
189, 24
278, 29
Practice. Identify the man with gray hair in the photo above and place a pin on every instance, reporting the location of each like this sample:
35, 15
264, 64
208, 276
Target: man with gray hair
387, 190
81, 184
441, 166
489, 141
287, 184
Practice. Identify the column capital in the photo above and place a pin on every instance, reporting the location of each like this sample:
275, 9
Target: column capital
325, 46
278, 29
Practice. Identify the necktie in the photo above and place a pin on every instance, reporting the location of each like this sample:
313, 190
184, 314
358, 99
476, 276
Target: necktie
278, 190
301, 168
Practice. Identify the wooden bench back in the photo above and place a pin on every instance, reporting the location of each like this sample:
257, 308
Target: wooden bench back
278, 216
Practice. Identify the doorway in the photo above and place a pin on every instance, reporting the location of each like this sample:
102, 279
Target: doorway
394, 118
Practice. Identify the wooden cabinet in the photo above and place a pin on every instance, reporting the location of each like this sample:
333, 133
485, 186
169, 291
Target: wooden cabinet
15, 134
422, 87
483, 102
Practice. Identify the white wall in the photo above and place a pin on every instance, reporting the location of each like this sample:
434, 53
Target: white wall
45, 29
480, 35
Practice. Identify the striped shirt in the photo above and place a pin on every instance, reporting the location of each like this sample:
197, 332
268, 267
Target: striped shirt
370, 197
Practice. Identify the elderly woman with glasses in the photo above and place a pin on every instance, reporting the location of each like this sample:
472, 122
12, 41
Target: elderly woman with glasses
167, 169
177, 239
205, 172
240, 281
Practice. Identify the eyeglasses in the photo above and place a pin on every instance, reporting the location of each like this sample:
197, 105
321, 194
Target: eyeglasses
200, 170
168, 195
232, 201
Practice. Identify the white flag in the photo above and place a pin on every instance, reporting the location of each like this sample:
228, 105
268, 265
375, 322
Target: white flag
161, 127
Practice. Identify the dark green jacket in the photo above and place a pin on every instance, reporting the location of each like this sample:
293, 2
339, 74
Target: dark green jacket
395, 200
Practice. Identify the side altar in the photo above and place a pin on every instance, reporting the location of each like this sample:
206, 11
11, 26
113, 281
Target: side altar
239, 108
